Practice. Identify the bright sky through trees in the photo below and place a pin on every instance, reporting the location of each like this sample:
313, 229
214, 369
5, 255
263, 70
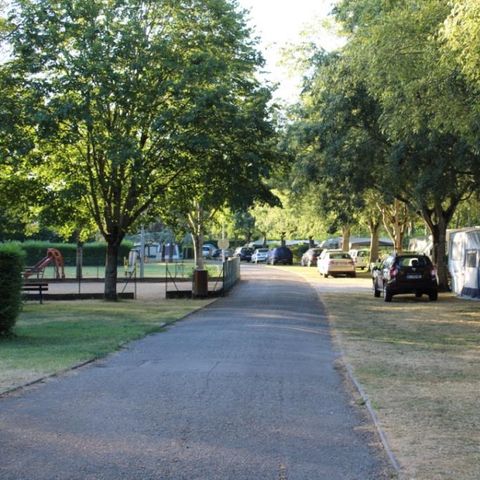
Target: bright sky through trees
280, 23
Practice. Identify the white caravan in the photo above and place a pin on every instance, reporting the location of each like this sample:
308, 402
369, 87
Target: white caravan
463, 261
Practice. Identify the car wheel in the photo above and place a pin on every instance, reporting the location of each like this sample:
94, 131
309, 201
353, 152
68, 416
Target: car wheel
376, 293
325, 275
433, 296
387, 295
352, 275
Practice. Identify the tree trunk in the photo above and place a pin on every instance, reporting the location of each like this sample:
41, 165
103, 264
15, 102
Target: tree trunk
374, 227
111, 271
79, 261
396, 218
346, 238
437, 220
311, 242
282, 239
198, 250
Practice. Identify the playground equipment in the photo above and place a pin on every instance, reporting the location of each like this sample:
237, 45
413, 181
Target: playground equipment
53, 256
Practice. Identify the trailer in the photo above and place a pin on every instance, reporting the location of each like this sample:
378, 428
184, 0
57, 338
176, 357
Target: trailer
463, 261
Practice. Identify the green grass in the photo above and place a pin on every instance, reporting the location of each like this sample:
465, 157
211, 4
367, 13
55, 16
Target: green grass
55, 336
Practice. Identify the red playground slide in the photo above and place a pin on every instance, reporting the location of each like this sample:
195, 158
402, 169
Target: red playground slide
53, 256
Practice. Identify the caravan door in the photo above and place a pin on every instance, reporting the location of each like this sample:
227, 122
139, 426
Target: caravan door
471, 286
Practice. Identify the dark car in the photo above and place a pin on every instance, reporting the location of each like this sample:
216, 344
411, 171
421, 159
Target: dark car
405, 273
280, 255
245, 253
309, 258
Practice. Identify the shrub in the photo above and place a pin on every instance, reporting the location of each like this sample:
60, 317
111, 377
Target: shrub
298, 250
11, 266
93, 253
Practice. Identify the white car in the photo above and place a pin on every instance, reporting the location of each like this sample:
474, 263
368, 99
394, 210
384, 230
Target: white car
336, 262
360, 258
260, 255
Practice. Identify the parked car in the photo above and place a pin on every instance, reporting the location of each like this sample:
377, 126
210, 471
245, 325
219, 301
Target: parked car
208, 250
260, 255
245, 253
405, 273
360, 258
281, 255
309, 258
335, 262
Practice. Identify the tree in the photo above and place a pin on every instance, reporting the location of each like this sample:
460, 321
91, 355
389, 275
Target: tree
395, 49
125, 87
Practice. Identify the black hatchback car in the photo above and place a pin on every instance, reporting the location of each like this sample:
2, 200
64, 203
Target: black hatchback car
405, 273
281, 255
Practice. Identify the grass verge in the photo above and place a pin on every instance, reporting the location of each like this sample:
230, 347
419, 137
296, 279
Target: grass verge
55, 336
419, 363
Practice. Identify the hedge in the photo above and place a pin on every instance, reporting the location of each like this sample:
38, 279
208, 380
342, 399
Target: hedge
11, 267
93, 253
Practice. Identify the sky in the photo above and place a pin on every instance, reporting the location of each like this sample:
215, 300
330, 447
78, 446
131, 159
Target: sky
279, 23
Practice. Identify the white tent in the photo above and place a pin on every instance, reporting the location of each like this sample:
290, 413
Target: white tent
463, 261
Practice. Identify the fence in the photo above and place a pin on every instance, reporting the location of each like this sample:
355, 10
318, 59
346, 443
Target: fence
221, 279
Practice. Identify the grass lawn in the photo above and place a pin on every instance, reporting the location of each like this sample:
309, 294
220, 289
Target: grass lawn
57, 335
419, 363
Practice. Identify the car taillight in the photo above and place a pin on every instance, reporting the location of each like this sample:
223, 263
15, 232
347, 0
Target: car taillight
433, 273
393, 272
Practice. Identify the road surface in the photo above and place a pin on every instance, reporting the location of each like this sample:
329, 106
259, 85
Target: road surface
246, 389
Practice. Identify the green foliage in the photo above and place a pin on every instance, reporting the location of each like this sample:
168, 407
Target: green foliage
298, 250
11, 267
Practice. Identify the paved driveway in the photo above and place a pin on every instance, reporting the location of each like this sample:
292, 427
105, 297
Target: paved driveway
245, 389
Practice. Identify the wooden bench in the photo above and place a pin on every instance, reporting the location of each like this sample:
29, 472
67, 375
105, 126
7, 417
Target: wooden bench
38, 287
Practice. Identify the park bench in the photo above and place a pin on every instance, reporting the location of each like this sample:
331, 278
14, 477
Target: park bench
38, 287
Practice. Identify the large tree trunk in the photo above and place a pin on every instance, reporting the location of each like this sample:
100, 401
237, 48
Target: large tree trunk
437, 220
111, 270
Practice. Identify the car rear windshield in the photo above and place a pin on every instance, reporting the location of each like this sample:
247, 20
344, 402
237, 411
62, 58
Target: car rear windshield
344, 256
419, 261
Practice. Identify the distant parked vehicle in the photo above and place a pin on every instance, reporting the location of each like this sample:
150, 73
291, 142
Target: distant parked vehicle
360, 258
281, 255
405, 273
335, 262
260, 255
245, 253
309, 258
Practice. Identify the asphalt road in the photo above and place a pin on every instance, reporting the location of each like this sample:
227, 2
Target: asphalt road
244, 389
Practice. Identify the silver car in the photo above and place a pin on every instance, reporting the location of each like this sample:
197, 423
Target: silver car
260, 255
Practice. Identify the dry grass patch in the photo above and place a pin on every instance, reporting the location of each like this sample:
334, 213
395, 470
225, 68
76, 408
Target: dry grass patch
419, 362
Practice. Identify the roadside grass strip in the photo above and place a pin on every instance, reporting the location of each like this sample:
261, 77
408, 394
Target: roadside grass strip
56, 336
419, 363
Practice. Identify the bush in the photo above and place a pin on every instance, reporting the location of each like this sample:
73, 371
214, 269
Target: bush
298, 250
11, 267
93, 253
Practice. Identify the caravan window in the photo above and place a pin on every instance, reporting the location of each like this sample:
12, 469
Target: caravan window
471, 259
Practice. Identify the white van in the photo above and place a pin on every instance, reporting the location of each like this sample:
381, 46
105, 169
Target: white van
360, 258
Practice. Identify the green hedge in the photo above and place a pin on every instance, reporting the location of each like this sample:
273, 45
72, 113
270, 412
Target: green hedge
298, 250
93, 253
11, 267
